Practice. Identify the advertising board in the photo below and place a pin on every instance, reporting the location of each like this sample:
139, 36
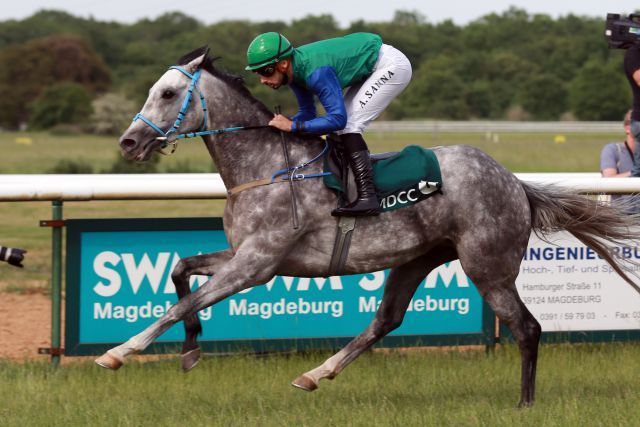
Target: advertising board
569, 288
119, 282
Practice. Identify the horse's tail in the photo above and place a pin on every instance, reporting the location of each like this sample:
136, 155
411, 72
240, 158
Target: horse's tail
598, 225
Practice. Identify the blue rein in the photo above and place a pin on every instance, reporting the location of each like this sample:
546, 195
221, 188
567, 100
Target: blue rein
203, 131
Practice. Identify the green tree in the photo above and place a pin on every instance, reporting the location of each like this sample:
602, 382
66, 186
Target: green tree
406, 17
506, 71
492, 65
599, 92
312, 28
544, 96
437, 91
27, 69
112, 114
479, 99
62, 103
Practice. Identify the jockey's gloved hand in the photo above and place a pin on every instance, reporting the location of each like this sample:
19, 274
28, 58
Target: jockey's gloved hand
13, 256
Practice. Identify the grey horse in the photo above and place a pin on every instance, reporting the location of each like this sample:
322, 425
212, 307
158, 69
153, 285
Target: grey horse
483, 217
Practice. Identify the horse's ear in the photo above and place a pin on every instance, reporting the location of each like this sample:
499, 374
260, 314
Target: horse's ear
196, 63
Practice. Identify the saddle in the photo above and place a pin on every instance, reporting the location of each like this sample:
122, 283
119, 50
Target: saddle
401, 179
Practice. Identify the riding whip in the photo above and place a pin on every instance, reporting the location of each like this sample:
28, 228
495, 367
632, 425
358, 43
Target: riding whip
285, 150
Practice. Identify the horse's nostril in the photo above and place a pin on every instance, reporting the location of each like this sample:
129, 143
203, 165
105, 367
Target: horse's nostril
128, 143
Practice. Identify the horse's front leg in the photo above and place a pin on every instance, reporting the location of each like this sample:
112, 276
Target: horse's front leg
398, 291
205, 265
253, 264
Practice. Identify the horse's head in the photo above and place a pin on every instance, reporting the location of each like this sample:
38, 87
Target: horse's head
167, 111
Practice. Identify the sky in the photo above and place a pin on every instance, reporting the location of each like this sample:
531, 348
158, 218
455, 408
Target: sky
344, 11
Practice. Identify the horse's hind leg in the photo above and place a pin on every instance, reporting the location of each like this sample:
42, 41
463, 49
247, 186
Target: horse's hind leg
493, 269
205, 265
510, 309
399, 289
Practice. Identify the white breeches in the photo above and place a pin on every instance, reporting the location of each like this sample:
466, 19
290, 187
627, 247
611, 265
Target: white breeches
366, 101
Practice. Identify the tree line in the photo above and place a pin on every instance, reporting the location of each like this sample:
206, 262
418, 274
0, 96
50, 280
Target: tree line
57, 69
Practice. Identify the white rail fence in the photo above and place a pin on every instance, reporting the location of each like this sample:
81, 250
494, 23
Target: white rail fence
60, 188
443, 126
210, 186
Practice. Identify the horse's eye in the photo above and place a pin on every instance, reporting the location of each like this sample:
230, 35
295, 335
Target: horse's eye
168, 94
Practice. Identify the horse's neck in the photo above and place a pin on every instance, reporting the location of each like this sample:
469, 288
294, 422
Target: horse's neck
246, 156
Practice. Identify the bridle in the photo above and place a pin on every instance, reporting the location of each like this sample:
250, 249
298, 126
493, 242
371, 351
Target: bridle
172, 136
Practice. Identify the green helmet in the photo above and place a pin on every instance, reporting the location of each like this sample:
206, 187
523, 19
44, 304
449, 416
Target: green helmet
266, 49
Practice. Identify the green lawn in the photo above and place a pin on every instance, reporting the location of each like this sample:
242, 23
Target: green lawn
45, 150
578, 385
519, 152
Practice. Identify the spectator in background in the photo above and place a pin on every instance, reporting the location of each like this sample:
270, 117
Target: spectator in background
632, 71
616, 161
616, 158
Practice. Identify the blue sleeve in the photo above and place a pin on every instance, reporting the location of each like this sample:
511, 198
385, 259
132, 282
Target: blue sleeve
324, 83
306, 105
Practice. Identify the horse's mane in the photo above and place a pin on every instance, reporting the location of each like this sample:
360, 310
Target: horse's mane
236, 82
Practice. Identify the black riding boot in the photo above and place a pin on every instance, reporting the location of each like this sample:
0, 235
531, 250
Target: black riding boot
367, 203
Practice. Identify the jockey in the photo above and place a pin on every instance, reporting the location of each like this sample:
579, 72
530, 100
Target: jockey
373, 73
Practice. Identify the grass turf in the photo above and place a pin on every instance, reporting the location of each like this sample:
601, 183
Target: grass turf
592, 384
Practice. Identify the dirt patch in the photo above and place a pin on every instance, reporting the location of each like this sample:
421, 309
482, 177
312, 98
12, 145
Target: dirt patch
25, 325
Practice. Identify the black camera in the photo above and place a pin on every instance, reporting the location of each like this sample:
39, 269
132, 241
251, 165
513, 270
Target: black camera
622, 33
13, 256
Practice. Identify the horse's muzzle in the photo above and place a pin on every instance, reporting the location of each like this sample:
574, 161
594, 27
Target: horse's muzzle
138, 144
129, 148
128, 143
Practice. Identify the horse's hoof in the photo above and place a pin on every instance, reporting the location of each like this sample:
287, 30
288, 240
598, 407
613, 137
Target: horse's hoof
190, 359
305, 383
109, 361
525, 405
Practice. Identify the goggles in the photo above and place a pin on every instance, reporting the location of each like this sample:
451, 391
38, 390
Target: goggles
267, 70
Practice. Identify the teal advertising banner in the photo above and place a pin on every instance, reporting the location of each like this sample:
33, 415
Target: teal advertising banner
119, 282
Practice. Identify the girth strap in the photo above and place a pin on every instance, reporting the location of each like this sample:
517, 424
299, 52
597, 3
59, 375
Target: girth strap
274, 180
342, 244
266, 181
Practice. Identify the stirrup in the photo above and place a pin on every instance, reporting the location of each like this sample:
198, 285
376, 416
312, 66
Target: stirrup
366, 208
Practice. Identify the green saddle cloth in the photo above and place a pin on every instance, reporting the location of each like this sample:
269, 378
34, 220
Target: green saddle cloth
401, 179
